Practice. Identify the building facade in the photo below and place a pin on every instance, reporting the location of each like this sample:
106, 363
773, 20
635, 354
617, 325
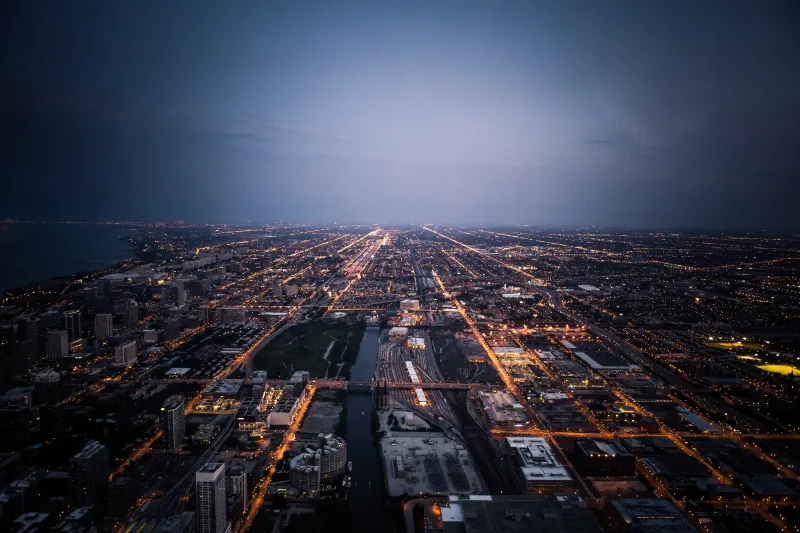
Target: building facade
131, 315
317, 467
210, 497
103, 325
173, 422
125, 354
90, 470
538, 471
57, 345
72, 325
234, 315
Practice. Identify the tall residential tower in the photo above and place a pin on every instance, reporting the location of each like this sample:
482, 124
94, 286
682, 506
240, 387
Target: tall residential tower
210, 496
173, 422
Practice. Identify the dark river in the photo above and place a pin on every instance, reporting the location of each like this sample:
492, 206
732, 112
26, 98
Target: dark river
369, 511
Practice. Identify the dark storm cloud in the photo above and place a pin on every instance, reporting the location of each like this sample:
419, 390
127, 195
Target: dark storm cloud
618, 113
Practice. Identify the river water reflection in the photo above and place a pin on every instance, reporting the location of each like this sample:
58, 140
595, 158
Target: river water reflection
368, 508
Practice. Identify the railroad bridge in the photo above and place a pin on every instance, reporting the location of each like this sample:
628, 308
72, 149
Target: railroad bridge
351, 386
370, 386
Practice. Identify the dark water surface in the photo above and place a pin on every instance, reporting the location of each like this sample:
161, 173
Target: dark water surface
36, 252
367, 500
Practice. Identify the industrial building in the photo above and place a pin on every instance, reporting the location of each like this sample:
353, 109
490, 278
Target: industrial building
503, 409
416, 343
538, 471
644, 515
249, 417
283, 411
223, 388
512, 514
603, 458
606, 362
409, 305
397, 333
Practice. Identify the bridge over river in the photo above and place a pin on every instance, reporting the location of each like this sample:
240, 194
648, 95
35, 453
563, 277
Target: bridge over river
354, 386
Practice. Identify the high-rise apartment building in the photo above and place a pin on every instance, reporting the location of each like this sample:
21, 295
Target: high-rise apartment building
234, 315
57, 345
125, 354
175, 293
27, 328
72, 325
103, 326
210, 497
236, 483
90, 470
91, 296
131, 315
173, 422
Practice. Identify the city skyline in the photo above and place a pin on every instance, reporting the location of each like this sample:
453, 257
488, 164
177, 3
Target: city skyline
431, 266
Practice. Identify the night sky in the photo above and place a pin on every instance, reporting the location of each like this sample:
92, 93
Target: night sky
617, 113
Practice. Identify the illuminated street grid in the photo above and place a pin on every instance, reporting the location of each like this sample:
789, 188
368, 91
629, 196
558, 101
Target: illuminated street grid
661, 341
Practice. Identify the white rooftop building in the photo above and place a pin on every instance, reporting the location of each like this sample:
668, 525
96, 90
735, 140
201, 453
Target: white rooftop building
538, 470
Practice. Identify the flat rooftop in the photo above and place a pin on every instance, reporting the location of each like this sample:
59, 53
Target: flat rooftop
229, 387
536, 459
502, 407
651, 514
432, 464
603, 447
605, 361
512, 514
285, 405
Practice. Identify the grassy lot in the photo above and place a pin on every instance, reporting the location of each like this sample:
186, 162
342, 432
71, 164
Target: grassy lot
303, 347
738, 345
783, 370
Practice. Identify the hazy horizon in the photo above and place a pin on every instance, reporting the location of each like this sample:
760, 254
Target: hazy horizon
403, 225
619, 114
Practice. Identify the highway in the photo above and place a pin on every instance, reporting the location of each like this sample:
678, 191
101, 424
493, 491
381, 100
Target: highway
354, 269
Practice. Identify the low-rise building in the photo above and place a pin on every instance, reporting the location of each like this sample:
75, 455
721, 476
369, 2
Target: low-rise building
538, 471
416, 343
409, 305
513, 514
503, 409
644, 515
603, 458
223, 388
284, 411
397, 333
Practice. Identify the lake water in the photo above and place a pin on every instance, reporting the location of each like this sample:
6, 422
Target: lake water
36, 252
